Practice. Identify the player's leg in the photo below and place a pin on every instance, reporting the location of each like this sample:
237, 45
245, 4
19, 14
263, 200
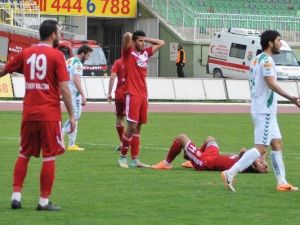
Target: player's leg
262, 137
132, 116
120, 114
277, 159
135, 143
66, 127
179, 142
19, 175
126, 142
29, 146
52, 146
47, 176
120, 130
77, 107
135, 149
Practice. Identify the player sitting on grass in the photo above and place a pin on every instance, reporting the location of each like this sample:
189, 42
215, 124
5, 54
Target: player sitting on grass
207, 157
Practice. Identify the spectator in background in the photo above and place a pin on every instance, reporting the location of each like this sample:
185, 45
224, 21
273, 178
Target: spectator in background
290, 6
180, 61
210, 9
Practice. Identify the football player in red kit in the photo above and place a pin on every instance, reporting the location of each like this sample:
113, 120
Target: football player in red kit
135, 59
46, 78
118, 71
206, 157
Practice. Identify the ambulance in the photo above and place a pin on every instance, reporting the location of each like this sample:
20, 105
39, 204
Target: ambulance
14, 39
231, 53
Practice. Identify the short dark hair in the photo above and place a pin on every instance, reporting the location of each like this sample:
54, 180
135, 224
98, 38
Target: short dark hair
267, 36
84, 49
47, 28
138, 33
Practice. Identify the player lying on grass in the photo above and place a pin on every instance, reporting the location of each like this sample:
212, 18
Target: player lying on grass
206, 157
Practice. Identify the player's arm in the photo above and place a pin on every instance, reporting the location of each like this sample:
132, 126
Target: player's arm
67, 99
13, 65
111, 85
156, 43
127, 41
77, 82
273, 85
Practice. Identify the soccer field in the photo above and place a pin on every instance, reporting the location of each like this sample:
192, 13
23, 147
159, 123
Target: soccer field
93, 190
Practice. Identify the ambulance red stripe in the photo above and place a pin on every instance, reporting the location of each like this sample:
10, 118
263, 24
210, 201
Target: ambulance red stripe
225, 63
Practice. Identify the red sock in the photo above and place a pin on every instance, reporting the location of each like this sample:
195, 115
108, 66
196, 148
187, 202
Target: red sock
47, 178
126, 142
20, 172
174, 151
135, 146
120, 130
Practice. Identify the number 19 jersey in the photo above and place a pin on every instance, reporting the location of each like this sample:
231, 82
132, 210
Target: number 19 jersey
44, 68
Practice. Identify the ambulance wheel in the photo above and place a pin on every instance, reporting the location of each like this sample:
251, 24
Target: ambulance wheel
217, 73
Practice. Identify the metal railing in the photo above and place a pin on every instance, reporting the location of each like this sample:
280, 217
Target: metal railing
22, 13
198, 26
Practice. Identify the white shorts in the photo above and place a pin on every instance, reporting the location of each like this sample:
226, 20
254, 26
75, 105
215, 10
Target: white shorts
265, 128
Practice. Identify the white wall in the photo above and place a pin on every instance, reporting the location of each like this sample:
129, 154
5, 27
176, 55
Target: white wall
173, 88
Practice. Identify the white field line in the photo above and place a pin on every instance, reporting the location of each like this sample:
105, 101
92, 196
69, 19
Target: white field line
91, 144
289, 155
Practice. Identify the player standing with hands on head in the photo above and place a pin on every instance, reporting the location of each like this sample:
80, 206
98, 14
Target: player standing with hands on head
264, 86
135, 58
118, 71
46, 78
75, 70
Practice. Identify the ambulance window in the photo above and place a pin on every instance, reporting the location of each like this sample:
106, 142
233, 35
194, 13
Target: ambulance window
237, 51
258, 51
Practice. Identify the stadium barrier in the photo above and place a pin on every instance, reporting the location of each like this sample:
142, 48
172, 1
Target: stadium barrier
173, 89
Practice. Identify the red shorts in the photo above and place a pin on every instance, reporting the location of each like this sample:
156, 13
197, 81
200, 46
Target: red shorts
199, 159
120, 106
136, 109
41, 135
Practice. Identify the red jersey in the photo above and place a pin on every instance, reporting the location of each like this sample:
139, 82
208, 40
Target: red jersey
221, 162
118, 68
43, 68
136, 64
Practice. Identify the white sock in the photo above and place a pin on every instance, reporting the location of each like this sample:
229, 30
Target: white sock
66, 127
244, 162
278, 166
16, 196
44, 201
73, 136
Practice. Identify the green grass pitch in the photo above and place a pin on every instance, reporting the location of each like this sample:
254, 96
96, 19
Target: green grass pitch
92, 190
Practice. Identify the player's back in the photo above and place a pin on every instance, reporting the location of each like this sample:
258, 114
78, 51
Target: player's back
119, 69
43, 67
